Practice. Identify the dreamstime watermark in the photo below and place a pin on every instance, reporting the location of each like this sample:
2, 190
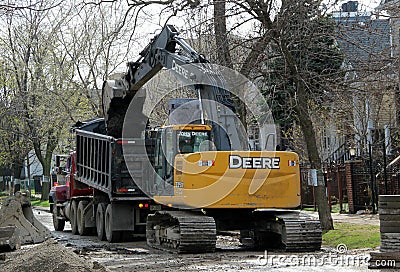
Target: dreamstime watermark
337, 258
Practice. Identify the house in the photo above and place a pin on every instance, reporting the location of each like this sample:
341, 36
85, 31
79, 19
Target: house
366, 111
371, 82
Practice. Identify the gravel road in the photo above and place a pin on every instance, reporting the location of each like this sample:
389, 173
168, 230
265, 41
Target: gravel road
230, 256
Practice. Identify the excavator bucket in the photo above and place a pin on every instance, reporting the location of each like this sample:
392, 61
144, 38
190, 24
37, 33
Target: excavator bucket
9, 238
18, 226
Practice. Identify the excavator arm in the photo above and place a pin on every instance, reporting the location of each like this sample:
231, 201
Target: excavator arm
162, 52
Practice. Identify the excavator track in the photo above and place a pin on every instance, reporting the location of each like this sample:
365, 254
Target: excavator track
181, 232
291, 231
301, 232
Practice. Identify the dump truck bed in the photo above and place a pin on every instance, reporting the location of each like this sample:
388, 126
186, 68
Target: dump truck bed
101, 165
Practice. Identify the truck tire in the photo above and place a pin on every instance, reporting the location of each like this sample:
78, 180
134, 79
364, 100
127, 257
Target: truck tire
80, 218
111, 235
58, 224
74, 208
100, 228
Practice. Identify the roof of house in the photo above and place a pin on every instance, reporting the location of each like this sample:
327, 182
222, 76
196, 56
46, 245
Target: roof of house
364, 41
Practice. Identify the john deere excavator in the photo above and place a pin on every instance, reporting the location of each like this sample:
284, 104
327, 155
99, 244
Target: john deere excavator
214, 183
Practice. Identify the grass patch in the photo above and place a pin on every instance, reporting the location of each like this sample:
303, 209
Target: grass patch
40, 203
34, 200
335, 208
353, 236
3, 195
309, 209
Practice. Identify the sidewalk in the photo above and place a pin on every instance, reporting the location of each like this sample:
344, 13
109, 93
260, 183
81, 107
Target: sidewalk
41, 209
363, 219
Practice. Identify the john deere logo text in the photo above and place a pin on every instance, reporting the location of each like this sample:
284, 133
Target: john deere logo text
235, 162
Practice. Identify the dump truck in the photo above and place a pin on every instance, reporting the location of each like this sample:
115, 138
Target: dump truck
178, 184
100, 195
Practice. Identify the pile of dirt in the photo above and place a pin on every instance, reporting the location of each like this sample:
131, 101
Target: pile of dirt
16, 211
49, 256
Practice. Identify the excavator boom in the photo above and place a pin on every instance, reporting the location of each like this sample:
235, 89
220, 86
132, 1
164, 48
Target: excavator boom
187, 64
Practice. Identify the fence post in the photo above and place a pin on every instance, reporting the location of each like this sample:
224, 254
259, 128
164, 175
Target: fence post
350, 186
339, 181
371, 172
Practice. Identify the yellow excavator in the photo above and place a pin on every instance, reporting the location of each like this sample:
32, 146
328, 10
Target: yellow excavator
199, 175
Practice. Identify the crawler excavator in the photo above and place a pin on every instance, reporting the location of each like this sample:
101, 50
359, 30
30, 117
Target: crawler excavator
214, 183
252, 189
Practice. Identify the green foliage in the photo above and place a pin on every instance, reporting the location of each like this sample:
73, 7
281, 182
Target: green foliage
37, 96
36, 202
353, 236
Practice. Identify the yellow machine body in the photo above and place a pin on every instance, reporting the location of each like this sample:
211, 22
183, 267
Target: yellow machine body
235, 179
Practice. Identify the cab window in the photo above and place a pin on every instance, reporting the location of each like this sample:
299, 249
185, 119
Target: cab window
193, 141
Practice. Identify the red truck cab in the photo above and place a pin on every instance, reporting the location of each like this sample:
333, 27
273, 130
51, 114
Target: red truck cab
64, 192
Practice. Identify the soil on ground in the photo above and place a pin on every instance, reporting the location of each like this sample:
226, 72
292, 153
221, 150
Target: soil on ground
48, 256
69, 253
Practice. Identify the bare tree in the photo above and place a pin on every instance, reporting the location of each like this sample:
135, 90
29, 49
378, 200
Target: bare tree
40, 78
97, 43
289, 45
59, 54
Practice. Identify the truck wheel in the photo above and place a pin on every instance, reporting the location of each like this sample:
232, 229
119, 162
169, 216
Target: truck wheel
112, 236
57, 223
80, 218
101, 209
73, 211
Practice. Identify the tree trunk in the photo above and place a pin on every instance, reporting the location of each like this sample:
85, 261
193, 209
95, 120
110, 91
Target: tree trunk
45, 161
46, 164
309, 135
28, 167
17, 167
45, 188
221, 37
223, 53
315, 161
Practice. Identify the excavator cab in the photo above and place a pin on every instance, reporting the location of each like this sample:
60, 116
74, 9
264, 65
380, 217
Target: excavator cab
191, 141
178, 139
